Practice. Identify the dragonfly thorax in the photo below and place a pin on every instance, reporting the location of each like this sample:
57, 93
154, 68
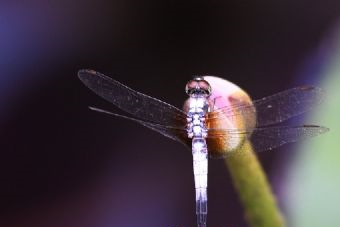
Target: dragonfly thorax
196, 125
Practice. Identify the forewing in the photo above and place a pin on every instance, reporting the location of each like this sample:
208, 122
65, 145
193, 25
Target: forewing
276, 108
140, 105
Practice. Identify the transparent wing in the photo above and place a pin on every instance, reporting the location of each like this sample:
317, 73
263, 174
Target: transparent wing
262, 138
270, 137
177, 134
276, 108
170, 121
140, 105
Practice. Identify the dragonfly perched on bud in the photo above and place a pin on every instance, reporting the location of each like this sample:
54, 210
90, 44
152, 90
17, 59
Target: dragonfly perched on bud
215, 120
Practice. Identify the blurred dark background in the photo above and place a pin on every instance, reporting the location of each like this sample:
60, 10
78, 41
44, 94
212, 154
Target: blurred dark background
63, 165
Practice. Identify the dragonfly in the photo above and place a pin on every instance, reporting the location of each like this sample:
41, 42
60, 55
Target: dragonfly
199, 127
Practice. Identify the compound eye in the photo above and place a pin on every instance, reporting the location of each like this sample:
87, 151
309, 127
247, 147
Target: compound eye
204, 87
198, 86
191, 87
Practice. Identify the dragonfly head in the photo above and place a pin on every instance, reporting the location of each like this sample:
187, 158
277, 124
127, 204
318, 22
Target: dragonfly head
198, 87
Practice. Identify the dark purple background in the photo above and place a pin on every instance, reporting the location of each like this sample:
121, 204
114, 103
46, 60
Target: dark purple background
62, 165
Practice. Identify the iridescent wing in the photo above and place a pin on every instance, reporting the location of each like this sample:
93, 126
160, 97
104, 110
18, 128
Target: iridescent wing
275, 108
140, 105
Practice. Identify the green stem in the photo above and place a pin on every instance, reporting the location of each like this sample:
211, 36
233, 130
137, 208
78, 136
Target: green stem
253, 188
